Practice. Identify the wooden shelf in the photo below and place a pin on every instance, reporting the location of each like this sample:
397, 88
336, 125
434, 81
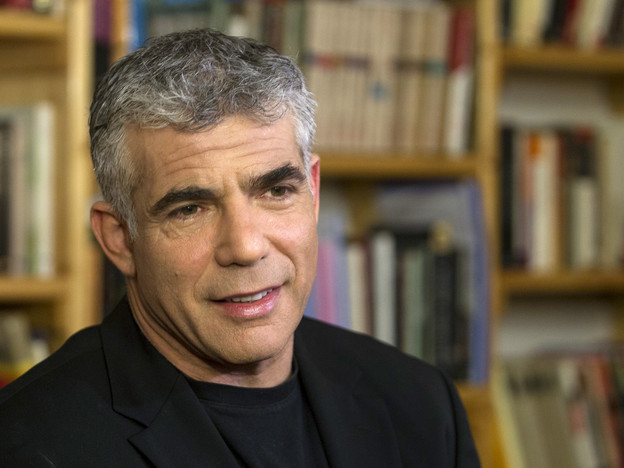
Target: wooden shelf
608, 61
48, 58
17, 24
570, 282
371, 165
26, 289
474, 394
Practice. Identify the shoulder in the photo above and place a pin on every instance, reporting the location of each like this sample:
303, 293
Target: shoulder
77, 355
421, 401
55, 390
358, 348
382, 365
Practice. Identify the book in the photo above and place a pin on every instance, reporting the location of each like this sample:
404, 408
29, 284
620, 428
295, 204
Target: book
610, 140
5, 147
502, 399
414, 287
435, 61
557, 185
382, 23
583, 24
539, 412
615, 32
604, 418
42, 188
574, 395
459, 204
28, 160
562, 407
326, 282
523, 393
318, 66
528, 21
383, 266
510, 258
553, 27
402, 293
18, 202
593, 24
359, 290
459, 93
448, 307
410, 77
543, 166
347, 93
582, 197
329, 299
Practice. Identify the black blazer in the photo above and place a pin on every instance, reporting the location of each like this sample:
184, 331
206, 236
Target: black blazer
108, 398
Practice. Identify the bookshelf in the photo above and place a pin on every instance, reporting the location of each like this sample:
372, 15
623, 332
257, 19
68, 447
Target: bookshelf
47, 57
602, 67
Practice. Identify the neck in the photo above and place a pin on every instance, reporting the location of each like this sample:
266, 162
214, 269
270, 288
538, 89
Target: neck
261, 374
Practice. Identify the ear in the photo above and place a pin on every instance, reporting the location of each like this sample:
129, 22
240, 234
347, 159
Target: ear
113, 236
315, 181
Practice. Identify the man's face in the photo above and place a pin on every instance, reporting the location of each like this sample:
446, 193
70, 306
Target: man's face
226, 250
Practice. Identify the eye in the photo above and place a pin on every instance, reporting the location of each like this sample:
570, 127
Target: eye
278, 191
185, 211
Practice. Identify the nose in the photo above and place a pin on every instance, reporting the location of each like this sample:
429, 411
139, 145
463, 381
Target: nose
241, 236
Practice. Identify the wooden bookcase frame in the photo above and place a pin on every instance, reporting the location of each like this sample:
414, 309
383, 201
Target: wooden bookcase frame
49, 57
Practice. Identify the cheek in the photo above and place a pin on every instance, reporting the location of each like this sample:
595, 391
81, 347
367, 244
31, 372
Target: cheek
165, 263
300, 242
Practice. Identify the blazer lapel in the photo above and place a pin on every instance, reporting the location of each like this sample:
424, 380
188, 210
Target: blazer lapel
183, 435
355, 428
148, 389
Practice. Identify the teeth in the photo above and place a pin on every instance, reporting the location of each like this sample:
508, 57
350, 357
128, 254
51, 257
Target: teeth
252, 298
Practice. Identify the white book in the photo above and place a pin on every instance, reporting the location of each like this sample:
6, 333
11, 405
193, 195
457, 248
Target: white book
528, 21
19, 195
384, 286
414, 301
42, 189
545, 176
409, 77
593, 22
429, 128
358, 287
583, 232
611, 168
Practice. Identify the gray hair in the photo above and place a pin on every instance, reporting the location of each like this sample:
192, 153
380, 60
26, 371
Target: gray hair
190, 81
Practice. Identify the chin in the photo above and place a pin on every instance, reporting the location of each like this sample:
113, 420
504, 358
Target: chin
260, 352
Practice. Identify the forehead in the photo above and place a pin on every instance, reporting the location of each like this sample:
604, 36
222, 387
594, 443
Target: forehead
235, 141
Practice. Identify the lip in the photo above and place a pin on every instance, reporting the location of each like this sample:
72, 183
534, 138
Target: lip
251, 310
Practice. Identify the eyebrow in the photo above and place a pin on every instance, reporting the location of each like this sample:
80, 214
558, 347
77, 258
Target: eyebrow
186, 194
275, 177
194, 193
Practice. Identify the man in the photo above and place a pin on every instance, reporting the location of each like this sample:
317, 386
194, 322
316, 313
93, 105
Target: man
201, 146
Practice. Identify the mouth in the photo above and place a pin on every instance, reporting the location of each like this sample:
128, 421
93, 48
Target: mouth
249, 298
251, 306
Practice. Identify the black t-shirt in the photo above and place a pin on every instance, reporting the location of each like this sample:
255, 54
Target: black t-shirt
265, 427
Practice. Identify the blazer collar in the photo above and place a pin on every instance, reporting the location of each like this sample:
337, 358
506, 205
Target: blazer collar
354, 423
147, 388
